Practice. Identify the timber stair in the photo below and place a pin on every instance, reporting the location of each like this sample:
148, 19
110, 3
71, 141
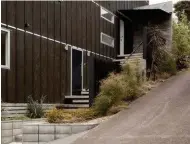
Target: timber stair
77, 101
129, 58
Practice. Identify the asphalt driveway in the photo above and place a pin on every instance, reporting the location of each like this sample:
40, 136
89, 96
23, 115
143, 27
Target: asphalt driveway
160, 117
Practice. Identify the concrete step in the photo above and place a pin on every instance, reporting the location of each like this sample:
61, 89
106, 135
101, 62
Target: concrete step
135, 57
80, 101
126, 55
76, 105
84, 92
77, 97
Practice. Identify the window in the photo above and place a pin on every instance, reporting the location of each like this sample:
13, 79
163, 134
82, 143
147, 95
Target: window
107, 15
107, 40
5, 48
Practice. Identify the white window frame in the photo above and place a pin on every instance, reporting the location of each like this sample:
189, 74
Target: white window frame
113, 44
113, 18
7, 49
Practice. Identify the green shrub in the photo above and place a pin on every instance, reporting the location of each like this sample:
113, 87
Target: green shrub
111, 92
102, 104
168, 65
35, 108
131, 80
181, 42
118, 87
115, 109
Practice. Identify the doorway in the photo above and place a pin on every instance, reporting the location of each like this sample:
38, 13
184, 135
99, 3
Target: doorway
76, 71
126, 37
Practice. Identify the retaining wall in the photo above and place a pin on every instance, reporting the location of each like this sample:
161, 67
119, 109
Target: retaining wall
13, 128
42, 133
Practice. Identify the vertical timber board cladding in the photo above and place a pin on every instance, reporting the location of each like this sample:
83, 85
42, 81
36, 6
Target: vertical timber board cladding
36, 51
20, 86
28, 49
44, 49
63, 53
57, 54
51, 50
11, 75
42, 67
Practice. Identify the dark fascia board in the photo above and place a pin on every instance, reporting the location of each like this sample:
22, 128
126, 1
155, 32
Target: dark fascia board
165, 6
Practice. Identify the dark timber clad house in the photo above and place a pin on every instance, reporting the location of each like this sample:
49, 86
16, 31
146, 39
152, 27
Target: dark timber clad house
61, 49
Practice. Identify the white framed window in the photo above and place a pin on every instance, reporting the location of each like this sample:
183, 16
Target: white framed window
107, 40
105, 14
5, 48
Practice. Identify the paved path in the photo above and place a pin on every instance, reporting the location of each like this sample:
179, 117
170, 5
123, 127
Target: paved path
161, 117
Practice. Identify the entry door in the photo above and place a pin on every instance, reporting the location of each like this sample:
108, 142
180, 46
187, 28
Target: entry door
76, 72
121, 37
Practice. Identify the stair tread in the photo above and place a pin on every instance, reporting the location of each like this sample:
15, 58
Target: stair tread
80, 101
77, 96
76, 105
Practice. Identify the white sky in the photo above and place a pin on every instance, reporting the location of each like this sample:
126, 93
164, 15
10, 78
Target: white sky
160, 1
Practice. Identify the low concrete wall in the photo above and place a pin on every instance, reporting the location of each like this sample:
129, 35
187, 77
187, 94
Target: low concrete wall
13, 128
41, 133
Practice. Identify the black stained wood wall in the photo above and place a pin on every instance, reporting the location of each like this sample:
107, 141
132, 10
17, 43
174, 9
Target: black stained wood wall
40, 66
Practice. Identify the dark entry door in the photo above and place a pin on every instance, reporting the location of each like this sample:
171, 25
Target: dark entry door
128, 38
76, 72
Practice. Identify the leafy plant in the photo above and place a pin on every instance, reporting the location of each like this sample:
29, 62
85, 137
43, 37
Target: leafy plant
182, 7
117, 87
181, 42
132, 80
111, 92
35, 108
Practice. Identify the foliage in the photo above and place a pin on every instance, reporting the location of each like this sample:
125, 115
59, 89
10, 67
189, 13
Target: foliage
131, 80
35, 108
182, 7
111, 92
57, 116
115, 109
167, 64
63, 115
117, 87
162, 59
181, 42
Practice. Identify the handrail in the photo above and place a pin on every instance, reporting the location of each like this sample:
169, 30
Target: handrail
134, 50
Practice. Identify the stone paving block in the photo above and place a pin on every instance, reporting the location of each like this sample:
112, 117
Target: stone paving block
17, 125
46, 137
30, 143
63, 129
46, 129
30, 129
6, 140
6, 125
79, 128
5, 133
30, 137
58, 136
17, 131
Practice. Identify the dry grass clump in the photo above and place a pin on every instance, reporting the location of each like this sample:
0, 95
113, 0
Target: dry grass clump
69, 115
